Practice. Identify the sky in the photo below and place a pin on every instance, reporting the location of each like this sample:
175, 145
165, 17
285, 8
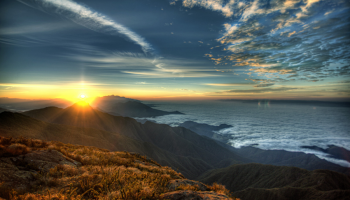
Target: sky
177, 49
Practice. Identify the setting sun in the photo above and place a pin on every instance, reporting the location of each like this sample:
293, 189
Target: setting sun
82, 96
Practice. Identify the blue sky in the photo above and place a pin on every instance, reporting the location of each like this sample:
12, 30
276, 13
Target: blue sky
178, 49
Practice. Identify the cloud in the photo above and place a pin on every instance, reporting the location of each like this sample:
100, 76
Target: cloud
252, 10
88, 18
228, 84
263, 90
37, 28
292, 33
264, 85
161, 75
21, 85
285, 40
215, 5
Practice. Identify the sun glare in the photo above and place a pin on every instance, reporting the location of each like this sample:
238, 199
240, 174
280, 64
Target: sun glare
83, 103
83, 100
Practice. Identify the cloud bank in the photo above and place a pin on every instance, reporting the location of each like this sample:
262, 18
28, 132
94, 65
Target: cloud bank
88, 18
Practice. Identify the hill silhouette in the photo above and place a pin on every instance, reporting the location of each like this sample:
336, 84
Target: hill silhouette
19, 105
257, 181
178, 148
16, 124
195, 156
177, 140
120, 106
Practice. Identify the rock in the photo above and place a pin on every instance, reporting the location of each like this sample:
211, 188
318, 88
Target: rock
45, 160
173, 184
12, 177
194, 195
18, 172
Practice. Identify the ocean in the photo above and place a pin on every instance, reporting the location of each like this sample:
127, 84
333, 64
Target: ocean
268, 125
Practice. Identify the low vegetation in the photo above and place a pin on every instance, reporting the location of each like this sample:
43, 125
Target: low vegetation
101, 174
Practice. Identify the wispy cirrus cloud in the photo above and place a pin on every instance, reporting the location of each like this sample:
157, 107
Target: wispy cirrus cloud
33, 29
137, 64
85, 16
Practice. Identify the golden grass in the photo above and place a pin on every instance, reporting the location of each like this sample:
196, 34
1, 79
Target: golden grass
102, 175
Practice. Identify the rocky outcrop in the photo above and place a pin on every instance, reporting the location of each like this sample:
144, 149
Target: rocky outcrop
45, 160
19, 171
194, 195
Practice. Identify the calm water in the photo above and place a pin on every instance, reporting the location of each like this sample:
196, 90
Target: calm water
279, 126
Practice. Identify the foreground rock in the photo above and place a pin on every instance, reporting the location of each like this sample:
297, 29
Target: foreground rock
18, 172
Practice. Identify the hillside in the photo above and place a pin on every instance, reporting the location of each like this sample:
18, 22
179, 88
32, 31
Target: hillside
257, 181
16, 124
36, 169
191, 153
177, 140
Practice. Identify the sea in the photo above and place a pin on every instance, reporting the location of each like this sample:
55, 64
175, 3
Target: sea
267, 124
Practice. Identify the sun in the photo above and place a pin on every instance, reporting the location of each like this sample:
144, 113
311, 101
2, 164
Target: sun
82, 96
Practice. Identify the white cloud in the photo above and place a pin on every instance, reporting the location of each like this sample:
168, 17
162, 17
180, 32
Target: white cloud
88, 18
252, 10
215, 5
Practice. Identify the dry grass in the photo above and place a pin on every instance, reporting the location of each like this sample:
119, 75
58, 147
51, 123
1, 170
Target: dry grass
19, 146
103, 174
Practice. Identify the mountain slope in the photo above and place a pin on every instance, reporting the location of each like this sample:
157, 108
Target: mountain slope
257, 181
179, 141
16, 124
35, 169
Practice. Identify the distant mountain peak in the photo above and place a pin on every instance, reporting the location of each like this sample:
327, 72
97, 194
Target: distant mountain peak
80, 105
